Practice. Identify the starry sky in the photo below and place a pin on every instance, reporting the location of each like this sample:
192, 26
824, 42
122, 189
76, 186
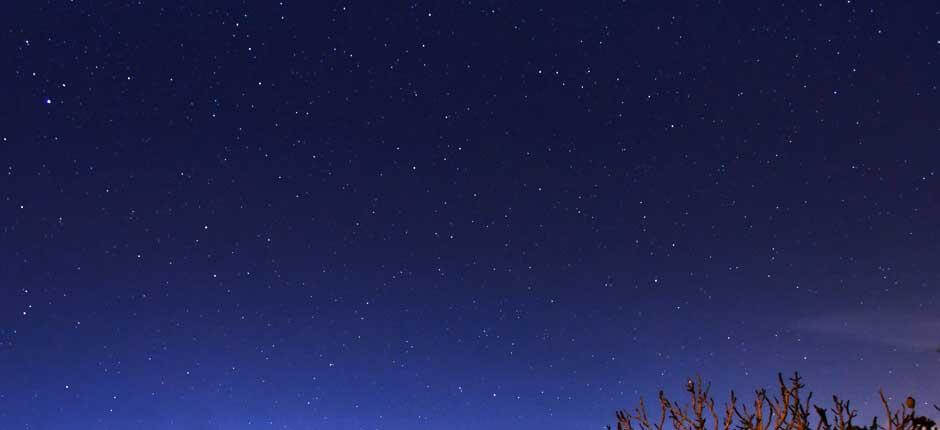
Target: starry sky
469, 214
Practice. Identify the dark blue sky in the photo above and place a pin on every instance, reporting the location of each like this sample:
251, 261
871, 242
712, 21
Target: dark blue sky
307, 215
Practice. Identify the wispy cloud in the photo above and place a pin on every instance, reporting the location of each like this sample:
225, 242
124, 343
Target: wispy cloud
896, 329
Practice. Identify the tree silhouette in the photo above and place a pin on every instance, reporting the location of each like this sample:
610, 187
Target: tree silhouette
786, 410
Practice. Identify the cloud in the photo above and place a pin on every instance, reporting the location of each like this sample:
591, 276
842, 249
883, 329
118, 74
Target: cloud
896, 329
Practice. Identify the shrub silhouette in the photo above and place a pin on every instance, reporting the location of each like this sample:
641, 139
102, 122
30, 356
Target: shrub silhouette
784, 411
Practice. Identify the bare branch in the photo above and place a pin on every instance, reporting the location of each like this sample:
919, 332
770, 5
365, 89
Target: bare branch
786, 409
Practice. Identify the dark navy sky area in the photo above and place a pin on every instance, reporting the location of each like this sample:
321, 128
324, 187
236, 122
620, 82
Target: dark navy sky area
463, 215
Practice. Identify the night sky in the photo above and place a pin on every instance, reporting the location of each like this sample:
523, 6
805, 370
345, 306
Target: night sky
462, 215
